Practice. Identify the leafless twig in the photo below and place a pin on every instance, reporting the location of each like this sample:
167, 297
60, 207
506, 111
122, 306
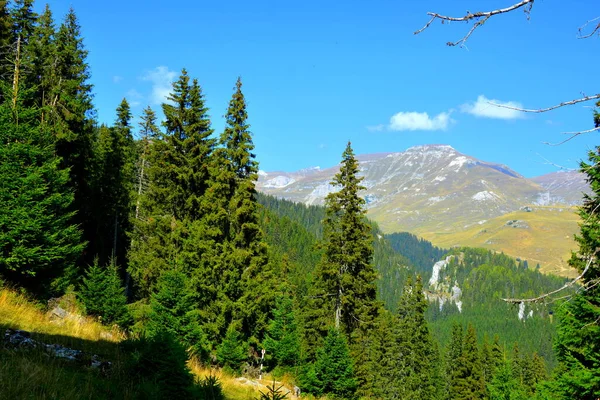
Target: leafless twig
546, 295
542, 110
480, 17
581, 28
572, 135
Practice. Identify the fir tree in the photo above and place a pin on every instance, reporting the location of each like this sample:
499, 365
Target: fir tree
23, 18
232, 352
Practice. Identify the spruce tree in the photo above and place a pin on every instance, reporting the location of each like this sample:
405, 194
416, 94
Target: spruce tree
346, 275
6, 42
577, 343
282, 340
38, 241
103, 295
23, 18
334, 368
467, 380
413, 347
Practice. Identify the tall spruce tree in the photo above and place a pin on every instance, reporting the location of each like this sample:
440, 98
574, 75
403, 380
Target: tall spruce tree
38, 242
71, 117
170, 232
346, 273
23, 19
577, 343
413, 347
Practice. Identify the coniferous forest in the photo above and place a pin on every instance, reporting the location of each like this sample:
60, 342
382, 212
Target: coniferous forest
155, 229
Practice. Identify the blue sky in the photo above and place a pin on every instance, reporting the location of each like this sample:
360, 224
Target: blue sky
319, 73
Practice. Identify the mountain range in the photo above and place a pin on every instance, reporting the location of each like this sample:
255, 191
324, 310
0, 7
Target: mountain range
453, 199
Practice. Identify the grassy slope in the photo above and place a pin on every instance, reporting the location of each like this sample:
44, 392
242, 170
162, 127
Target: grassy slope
548, 240
34, 375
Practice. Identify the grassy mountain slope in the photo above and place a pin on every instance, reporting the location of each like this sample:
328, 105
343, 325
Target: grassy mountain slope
544, 236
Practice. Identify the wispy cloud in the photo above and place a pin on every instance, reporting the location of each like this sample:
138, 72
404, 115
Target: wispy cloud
376, 128
161, 78
117, 79
419, 121
482, 108
134, 97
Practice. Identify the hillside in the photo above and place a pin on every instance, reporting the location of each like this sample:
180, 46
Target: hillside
447, 197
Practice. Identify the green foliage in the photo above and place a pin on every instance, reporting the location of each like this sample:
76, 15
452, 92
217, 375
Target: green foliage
282, 340
173, 312
158, 365
467, 376
273, 393
211, 388
333, 369
346, 277
421, 253
577, 343
102, 294
504, 386
38, 241
232, 352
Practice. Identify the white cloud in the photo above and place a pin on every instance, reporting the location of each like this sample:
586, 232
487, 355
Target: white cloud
483, 108
161, 79
416, 121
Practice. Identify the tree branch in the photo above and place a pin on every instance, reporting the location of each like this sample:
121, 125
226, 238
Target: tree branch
573, 135
542, 110
546, 295
596, 29
481, 17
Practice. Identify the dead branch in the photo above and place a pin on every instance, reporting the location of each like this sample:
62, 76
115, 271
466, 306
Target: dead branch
480, 17
546, 295
572, 136
584, 26
543, 110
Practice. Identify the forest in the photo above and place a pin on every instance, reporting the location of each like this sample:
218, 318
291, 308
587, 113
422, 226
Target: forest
156, 229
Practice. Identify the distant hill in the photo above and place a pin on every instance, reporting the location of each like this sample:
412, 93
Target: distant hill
448, 197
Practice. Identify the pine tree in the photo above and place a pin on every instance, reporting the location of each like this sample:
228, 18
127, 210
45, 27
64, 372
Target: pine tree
453, 353
504, 386
232, 352
38, 242
23, 18
346, 274
6, 42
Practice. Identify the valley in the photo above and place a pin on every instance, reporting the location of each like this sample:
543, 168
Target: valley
453, 199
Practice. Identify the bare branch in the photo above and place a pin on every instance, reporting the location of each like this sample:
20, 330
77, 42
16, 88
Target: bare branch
596, 29
481, 17
573, 135
546, 295
542, 110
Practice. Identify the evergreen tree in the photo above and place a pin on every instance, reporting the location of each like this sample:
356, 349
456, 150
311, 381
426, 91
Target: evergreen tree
454, 351
71, 118
333, 367
171, 232
346, 274
413, 348
282, 339
103, 295
173, 312
23, 18
467, 382
6, 42
232, 352
504, 386
577, 344
38, 242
